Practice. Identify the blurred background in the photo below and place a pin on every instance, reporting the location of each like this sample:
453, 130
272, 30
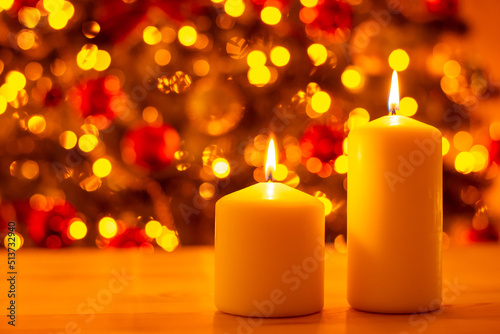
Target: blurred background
122, 122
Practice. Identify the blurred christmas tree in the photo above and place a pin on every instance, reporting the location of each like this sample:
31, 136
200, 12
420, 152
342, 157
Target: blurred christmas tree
124, 121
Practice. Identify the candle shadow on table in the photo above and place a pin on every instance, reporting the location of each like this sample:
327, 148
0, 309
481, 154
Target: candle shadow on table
224, 323
363, 322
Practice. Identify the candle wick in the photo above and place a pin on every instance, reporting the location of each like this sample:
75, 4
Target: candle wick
270, 177
393, 109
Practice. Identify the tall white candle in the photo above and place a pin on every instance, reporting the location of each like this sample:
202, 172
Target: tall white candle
394, 214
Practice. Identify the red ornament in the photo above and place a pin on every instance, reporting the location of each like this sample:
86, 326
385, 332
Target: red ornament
322, 142
18, 4
488, 234
100, 97
132, 237
118, 18
333, 15
53, 97
151, 147
274, 3
48, 228
442, 7
494, 151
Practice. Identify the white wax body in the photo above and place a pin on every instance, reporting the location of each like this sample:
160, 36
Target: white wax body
269, 252
394, 216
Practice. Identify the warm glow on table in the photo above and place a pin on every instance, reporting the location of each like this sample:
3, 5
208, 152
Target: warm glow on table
173, 293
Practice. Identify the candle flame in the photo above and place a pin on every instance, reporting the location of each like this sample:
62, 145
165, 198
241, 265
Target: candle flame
270, 161
393, 103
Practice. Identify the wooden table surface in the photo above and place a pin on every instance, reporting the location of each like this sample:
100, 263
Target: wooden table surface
128, 291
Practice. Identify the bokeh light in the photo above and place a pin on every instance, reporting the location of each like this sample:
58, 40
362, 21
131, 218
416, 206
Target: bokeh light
103, 60
270, 15
3, 104
26, 39
220, 168
452, 68
341, 165
407, 106
18, 241
207, 190
153, 229
309, 3
90, 29
108, 227
16, 80
53, 6
280, 56
68, 139
58, 20
308, 15
326, 202
314, 165
30, 169
162, 57
464, 162
87, 57
201, 67
33, 71
352, 78
481, 157
462, 140
259, 76
340, 244
77, 229
101, 167
495, 131
87, 142
234, 8
187, 35
58, 67
320, 102
399, 60
317, 53
151, 35
29, 16
37, 124
6, 4
168, 240
150, 114
8, 92
280, 173
445, 145
256, 58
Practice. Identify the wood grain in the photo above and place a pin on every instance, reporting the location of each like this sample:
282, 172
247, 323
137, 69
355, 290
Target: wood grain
126, 291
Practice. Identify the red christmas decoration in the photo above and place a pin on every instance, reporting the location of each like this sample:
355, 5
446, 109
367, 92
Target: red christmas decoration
150, 147
275, 3
494, 151
48, 228
323, 142
53, 97
118, 19
333, 15
100, 97
442, 7
18, 4
488, 234
132, 237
